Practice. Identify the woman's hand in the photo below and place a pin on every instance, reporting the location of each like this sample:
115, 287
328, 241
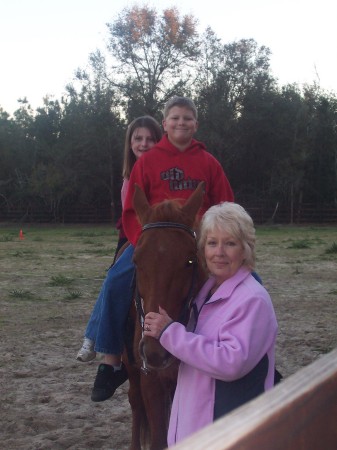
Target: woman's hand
156, 322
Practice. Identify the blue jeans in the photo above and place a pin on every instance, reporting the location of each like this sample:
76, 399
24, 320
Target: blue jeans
106, 326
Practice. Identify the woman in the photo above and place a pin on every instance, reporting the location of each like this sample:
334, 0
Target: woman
227, 350
141, 135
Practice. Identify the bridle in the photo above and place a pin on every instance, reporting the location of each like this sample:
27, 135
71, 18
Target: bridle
148, 226
191, 292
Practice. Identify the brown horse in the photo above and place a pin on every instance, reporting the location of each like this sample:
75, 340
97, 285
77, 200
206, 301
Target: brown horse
167, 274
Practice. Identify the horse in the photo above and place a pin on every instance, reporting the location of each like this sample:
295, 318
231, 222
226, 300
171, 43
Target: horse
167, 274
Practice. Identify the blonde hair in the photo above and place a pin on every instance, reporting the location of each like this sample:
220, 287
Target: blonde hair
234, 220
141, 122
182, 102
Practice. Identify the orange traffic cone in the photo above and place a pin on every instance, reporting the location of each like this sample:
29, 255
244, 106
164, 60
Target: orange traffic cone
21, 236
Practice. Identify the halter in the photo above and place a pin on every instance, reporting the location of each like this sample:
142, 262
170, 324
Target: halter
188, 301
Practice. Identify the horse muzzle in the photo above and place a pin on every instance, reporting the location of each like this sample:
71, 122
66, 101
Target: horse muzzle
154, 355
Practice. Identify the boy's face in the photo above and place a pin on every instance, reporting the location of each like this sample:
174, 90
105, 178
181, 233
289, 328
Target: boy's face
180, 126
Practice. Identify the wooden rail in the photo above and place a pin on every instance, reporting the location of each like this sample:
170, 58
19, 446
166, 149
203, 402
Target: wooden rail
261, 214
298, 414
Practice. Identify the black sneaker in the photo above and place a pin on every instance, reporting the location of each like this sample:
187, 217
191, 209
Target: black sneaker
107, 381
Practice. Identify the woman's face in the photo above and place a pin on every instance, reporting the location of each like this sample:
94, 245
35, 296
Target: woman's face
141, 141
224, 255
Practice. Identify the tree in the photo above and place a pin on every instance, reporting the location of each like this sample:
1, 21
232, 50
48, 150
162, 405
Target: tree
17, 154
151, 57
91, 145
321, 167
8, 141
269, 163
227, 73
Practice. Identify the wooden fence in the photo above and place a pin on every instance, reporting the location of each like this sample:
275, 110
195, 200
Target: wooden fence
261, 214
300, 413
74, 215
306, 214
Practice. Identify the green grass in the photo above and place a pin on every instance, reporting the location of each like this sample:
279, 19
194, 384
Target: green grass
94, 234
6, 238
332, 250
301, 244
73, 295
23, 253
37, 239
60, 280
21, 294
54, 257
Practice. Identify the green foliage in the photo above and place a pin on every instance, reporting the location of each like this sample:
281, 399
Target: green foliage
276, 143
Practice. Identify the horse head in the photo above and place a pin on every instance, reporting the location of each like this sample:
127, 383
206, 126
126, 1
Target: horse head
166, 260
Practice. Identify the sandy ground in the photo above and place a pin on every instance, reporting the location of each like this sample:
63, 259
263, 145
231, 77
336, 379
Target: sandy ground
45, 392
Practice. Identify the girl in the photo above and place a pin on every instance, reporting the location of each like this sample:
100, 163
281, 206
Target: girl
141, 135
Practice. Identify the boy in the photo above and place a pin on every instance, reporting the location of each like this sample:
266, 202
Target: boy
175, 165
171, 169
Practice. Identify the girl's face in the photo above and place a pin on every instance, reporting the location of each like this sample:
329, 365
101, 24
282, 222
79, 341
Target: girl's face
224, 255
141, 141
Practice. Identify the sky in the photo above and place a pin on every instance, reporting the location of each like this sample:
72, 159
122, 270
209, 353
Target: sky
43, 42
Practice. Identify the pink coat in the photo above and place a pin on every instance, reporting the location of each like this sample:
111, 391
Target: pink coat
236, 328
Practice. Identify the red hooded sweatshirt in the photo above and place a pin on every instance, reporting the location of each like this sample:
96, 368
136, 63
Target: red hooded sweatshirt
165, 172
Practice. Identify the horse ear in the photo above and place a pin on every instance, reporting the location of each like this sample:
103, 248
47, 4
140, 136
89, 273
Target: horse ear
140, 204
193, 203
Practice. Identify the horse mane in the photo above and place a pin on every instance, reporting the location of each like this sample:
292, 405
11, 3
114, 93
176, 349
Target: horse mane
169, 211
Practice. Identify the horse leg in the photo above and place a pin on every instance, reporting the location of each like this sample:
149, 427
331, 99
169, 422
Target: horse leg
157, 406
137, 407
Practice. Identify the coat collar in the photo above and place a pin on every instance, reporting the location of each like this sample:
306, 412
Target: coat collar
225, 290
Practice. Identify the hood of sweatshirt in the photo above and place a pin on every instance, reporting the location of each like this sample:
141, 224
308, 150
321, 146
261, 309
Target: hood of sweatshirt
166, 146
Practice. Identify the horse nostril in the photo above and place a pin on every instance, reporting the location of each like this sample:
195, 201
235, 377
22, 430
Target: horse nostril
155, 358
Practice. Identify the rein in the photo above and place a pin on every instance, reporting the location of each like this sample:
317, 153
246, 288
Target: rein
188, 301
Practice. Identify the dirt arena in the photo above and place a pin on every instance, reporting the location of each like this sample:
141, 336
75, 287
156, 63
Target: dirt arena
45, 392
